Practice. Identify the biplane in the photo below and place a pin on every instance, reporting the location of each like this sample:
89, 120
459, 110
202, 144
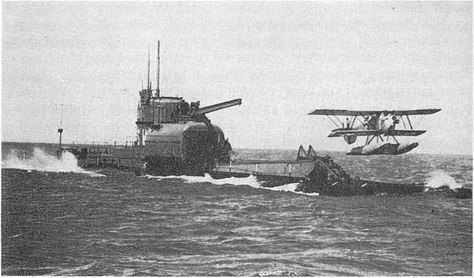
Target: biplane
379, 128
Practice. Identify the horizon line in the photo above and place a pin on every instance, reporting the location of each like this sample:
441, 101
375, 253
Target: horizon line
249, 148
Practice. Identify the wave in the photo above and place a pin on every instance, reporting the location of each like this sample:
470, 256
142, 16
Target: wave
72, 271
41, 161
439, 178
250, 181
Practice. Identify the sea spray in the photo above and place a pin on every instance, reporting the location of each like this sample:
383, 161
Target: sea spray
41, 161
440, 178
250, 181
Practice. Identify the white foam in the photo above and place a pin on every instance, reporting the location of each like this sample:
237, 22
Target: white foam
291, 187
440, 178
250, 181
69, 271
41, 161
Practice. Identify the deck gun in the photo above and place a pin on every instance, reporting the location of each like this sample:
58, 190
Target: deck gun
211, 108
199, 114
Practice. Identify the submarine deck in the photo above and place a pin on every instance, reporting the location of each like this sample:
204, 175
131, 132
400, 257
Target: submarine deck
295, 169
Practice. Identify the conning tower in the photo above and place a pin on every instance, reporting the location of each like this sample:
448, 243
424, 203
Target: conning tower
177, 136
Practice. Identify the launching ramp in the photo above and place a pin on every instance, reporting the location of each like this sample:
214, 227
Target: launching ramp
316, 174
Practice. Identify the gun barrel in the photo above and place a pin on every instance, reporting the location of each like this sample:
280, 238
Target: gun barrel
218, 106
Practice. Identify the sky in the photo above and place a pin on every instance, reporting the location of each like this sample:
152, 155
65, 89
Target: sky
82, 64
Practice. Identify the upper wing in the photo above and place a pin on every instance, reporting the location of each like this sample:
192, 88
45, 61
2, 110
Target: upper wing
344, 132
415, 112
407, 132
340, 112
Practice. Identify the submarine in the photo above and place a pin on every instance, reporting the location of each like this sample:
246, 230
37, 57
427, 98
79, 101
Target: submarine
174, 137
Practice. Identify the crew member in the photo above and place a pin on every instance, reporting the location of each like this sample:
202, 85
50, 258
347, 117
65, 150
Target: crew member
184, 107
194, 107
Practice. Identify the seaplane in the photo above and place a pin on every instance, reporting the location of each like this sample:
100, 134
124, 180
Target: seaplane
379, 128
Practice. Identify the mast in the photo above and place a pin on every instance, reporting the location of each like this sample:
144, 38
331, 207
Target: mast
148, 83
60, 131
158, 72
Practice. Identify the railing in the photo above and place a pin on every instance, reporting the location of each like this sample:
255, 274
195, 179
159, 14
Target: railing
126, 144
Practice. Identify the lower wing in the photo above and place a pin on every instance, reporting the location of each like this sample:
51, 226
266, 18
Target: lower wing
346, 132
406, 132
400, 132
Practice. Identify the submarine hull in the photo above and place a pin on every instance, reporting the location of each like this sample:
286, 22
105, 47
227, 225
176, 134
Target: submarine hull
315, 174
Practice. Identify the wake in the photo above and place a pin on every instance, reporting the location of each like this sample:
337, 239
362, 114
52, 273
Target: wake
246, 181
41, 161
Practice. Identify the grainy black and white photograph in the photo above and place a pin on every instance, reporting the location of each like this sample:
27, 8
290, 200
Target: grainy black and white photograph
230, 138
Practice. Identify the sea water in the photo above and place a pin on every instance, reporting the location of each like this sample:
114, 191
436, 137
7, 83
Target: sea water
59, 219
